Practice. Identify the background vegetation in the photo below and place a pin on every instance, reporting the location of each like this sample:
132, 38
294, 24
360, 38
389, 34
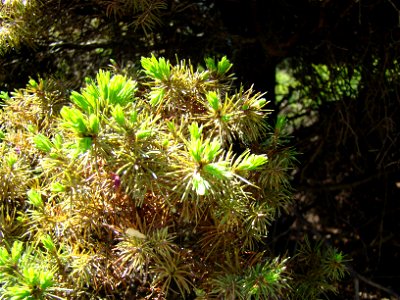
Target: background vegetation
330, 67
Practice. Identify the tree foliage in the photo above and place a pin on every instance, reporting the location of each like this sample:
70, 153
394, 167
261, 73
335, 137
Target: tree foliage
330, 70
155, 187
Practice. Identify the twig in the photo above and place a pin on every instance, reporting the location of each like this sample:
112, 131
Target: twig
348, 185
364, 279
395, 7
56, 46
356, 288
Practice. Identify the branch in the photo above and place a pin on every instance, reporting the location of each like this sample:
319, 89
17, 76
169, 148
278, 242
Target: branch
395, 7
344, 186
372, 283
57, 46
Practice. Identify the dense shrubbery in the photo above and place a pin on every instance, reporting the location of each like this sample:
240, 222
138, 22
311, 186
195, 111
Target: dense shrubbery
162, 184
334, 79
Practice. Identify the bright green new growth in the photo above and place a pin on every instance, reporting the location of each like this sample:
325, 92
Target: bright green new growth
161, 188
158, 69
24, 275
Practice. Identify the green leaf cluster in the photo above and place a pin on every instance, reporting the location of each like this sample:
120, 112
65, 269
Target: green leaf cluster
24, 276
267, 280
318, 265
138, 188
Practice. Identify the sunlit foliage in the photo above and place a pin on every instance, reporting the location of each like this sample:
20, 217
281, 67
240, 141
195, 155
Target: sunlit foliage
160, 187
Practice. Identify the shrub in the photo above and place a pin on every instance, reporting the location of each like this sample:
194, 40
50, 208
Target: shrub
159, 185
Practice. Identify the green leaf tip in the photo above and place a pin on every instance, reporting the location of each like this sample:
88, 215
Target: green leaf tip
43, 143
159, 69
35, 198
250, 162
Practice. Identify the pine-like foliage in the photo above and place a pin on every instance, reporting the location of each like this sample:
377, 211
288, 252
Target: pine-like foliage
13, 26
146, 12
36, 23
159, 187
